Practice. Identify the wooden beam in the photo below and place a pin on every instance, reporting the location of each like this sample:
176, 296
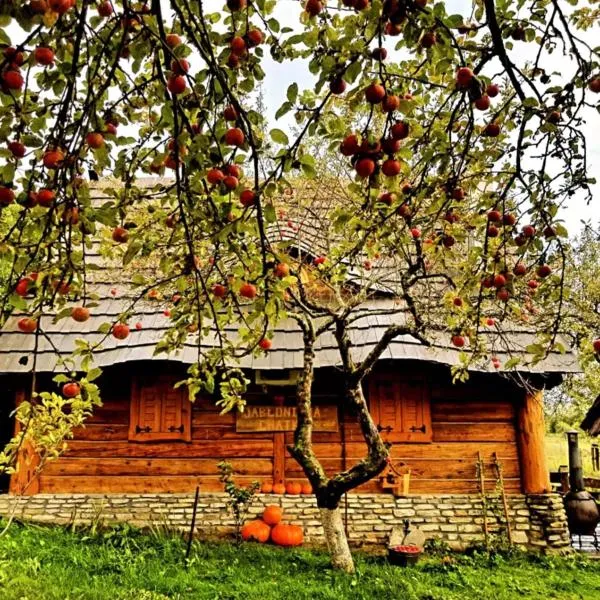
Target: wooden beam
535, 477
279, 457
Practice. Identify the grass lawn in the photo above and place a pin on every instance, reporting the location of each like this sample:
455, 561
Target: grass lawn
557, 452
55, 564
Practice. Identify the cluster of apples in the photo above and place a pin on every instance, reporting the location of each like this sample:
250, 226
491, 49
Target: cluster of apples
480, 95
395, 13
372, 156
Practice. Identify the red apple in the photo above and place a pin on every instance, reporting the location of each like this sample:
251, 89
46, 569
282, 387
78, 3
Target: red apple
94, 140
374, 93
230, 182
215, 176
458, 341
176, 84
70, 390
173, 40
596, 346
387, 198
543, 271
282, 270
120, 331
365, 167
219, 290
265, 344
390, 103
528, 231
234, 137
105, 9
594, 85
229, 113
27, 325
391, 167
483, 103
248, 198
350, 145
238, 46
458, 193
464, 76
499, 280
247, 290
520, 269
180, 66
337, 86
416, 233
7, 196
313, 7
492, 90
509, 219
43, 56
400, 130
255, 37
319, 260
429, 39
120, 235
53, 159
492, 130
17, 149
494, 216
13, 80
80, 314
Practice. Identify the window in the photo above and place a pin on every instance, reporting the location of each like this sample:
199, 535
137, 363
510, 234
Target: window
400, 408
158, 411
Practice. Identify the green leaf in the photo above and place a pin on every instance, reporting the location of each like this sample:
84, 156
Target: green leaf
279, 136
292, 92
133, 249
270, 215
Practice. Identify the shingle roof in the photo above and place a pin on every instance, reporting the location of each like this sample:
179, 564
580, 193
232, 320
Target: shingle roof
58, 339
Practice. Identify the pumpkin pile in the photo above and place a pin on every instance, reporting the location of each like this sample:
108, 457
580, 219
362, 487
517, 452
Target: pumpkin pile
293, 488
271, 527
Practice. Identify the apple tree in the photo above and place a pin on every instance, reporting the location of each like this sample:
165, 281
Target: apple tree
458, 140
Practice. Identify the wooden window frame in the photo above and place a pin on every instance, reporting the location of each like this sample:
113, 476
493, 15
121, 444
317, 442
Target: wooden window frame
158, 436
402, 437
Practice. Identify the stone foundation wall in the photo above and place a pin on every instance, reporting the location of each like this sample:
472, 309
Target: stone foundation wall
537, 521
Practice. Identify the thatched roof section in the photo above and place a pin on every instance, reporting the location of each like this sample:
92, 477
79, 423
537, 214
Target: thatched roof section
309, 231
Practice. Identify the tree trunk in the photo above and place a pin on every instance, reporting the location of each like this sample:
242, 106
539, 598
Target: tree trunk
337, 543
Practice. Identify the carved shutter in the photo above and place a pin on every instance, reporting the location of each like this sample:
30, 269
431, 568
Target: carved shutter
158, 411
401, 408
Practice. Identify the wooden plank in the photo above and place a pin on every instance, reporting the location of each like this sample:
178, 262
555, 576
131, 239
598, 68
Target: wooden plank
474, 432
472, 412
155, 467
279, 453
442, 451
212, 419
125, 484
198, 449
445, 486
109, 417
283, 418
420, 469
105, 433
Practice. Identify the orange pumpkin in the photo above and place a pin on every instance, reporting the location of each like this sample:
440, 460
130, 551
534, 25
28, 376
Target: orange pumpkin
279, 488
257, 531
266, 487
293, 488
307, 488
272, 514
287, 535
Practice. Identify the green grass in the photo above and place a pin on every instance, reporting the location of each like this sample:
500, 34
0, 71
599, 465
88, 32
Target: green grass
557, 452
39, 563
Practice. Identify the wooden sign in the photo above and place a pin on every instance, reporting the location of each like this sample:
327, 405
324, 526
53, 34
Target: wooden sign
283, 418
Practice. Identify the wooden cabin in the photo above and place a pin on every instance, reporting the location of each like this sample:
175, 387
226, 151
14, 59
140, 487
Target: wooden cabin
147, 436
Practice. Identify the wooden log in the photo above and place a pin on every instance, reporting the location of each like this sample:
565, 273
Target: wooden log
532, 451
473, 411
279, 453
153, 467
216, 449
474, 432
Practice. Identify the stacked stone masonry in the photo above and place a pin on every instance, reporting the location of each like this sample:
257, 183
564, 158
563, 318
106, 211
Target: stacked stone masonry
537, 521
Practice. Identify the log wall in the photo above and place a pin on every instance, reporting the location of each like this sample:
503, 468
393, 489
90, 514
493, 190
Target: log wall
479, 416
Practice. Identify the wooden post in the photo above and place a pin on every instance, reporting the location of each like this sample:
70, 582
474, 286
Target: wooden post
535, 478
278, 457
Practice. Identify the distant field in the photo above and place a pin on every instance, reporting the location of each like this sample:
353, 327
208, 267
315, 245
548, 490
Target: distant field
556, 448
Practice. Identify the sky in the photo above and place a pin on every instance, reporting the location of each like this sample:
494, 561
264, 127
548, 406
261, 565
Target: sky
280, 76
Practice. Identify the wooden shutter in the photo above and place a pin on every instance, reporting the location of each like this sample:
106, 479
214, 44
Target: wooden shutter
401, 408
158, 411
